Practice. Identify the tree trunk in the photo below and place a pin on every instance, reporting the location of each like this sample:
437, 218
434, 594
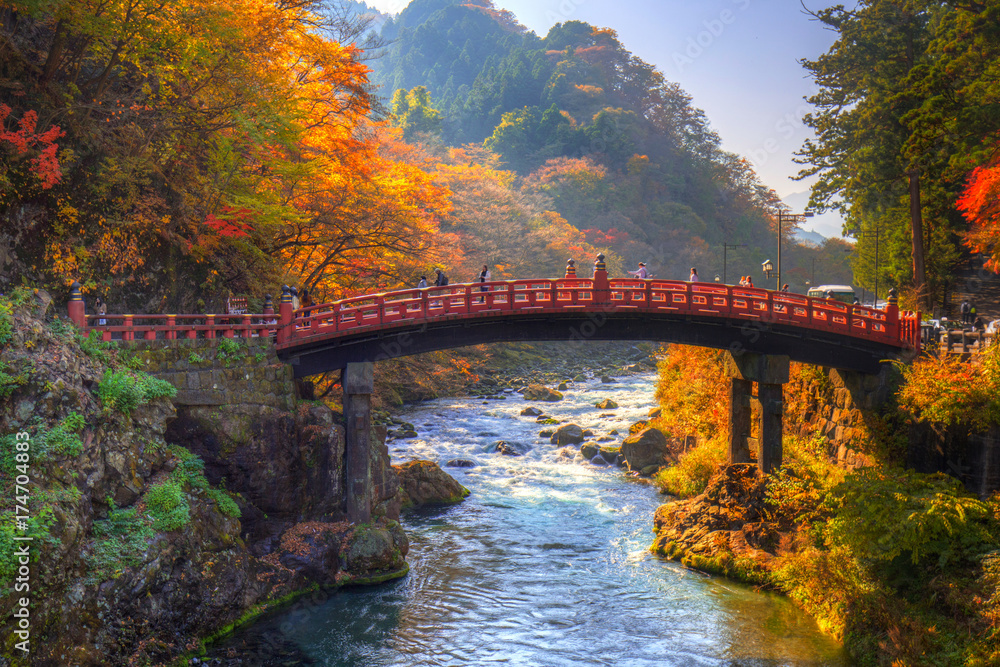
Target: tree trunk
917, 229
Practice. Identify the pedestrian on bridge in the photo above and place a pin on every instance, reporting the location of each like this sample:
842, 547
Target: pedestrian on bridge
423, 282
640, 272
484, 277
441, 279
694, 275
964, 309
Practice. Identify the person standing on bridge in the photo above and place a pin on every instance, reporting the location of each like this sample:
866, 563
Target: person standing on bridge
484, 277
295, 298
640, 272
101, 309
964, 310
423, 282
441, 279
694, 275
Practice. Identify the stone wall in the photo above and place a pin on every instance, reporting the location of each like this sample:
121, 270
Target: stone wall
857, 414
222, 371
842, 406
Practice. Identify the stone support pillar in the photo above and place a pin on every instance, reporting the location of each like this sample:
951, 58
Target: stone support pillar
770, 372
740, 393
358, 380
771, 406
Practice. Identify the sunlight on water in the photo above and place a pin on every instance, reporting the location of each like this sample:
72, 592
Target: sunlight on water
546, 563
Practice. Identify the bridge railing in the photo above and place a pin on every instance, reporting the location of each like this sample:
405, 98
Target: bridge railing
178, 327
526, 295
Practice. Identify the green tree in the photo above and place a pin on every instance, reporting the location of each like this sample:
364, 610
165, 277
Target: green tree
412, 111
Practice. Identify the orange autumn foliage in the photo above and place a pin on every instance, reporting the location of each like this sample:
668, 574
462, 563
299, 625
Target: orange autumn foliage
980, 204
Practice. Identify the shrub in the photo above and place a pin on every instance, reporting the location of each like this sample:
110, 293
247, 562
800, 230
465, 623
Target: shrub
690, 475
124, 391
167, 506
949, 391
883, 513
94, 347
121, 540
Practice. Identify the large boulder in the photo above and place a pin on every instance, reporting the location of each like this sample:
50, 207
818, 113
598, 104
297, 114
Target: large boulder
606, 404
424, 483
531, 412
568, 434
538, 392
646, 448
511, 448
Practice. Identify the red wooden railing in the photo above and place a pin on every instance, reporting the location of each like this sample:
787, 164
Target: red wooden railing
599, 295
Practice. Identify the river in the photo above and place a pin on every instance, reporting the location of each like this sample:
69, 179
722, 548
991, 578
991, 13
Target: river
545, 563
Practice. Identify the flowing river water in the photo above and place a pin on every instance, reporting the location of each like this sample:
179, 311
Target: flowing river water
546, 563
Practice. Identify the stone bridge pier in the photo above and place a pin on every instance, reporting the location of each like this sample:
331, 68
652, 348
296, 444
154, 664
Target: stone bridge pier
358, 382
770, 372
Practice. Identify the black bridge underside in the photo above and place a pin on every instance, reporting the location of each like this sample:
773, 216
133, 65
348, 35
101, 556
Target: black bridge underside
738, 336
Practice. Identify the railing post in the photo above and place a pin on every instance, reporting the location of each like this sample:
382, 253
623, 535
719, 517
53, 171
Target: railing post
571, 268
892, 324
268, 314
602, 295
150, 335
77, 308
210, 324
171, 332
285, 323
128, 333
246, 325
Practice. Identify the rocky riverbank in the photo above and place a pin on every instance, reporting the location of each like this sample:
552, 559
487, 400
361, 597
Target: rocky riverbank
155, 528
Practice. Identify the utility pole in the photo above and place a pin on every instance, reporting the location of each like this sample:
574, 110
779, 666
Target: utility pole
791, 217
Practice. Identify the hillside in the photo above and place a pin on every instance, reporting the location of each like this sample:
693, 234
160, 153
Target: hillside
622, 154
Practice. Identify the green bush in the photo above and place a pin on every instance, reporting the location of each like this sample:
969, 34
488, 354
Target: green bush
38, 528
881, 514
690, 475
121, 540
230, 350
94, 347
191, 472
6, 323
9, 382
124, 391
167, 506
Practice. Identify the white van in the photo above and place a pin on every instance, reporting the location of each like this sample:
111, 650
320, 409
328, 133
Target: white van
843, 293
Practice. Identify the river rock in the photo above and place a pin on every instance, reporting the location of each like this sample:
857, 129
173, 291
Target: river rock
424, 483
563, 386
531, 412
538, 392
598, 461
511, 448
580, 378
461, 463
606, 404
655, 412
635, 368
650, 470
545, 433
607, 379
606, 438
568, 434
645, 448
589, 450
610, 454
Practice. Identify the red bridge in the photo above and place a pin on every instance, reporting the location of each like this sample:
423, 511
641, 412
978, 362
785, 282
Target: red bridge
404, 322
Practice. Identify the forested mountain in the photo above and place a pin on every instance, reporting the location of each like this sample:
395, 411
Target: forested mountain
622, 153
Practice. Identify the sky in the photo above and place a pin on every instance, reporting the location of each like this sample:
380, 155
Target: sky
738, 59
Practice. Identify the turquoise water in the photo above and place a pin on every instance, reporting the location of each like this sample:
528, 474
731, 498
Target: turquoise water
546, 563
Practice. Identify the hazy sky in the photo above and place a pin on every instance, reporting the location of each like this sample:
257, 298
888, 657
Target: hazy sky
738, 59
